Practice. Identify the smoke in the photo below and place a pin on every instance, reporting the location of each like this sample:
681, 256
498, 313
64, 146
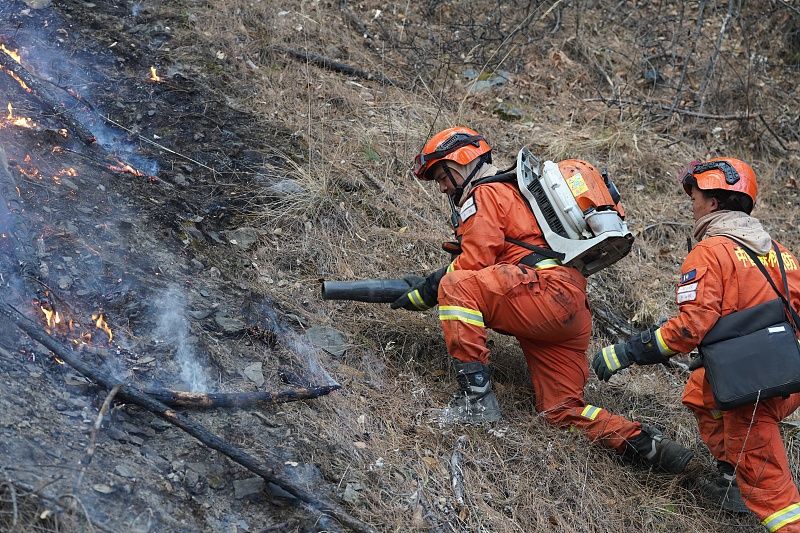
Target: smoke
173, 330
78, 79
9, 278
308, 364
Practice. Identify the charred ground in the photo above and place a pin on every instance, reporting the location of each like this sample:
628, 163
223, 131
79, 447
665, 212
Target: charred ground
262, 172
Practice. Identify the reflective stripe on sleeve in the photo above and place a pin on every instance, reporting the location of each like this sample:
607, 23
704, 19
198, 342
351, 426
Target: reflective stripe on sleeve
610, 357
590, 412
464, 314
785, 516
416, 300
451, 267
662, 346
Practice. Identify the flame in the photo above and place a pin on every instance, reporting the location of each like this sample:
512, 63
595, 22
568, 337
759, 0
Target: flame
31, 172
100, 323
22, 122
154, 77
16, 78
125, 168
12, 53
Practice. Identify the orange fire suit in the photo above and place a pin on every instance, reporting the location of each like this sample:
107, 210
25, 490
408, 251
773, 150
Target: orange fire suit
718, 278
544, 307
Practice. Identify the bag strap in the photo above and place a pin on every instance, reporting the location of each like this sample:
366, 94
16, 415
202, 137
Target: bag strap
786, 304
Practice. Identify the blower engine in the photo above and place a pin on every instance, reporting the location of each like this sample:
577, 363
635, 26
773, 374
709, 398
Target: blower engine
577, 209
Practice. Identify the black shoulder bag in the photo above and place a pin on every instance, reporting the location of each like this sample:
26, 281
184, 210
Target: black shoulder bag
753, 354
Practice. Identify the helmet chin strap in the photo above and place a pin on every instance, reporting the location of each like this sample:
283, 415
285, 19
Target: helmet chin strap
458, 190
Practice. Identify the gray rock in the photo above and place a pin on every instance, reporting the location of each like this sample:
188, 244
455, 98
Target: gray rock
507, 112
230, 325
285, 187
243, 237
124, 471
254, 373
331, 340
351, 494
250, 488
38, 4
483, 81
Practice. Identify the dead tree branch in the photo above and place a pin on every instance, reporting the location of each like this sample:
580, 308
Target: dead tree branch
335, 66
457, 469
698, 28
87, 458
210, 400
269, 470
663, 107
35, 87
712, 63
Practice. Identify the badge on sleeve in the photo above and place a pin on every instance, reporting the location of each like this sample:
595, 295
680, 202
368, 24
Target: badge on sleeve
688, 276
468, 209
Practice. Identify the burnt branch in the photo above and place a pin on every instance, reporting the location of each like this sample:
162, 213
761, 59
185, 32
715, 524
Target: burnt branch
336, 66
37, 89
210, 400
269, 470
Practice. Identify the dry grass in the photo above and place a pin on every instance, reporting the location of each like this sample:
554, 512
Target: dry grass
359, 215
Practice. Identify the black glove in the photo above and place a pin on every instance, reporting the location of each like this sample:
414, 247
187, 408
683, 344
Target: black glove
424, 292
641, 349
611, 360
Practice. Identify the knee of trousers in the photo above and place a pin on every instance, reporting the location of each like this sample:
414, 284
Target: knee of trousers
458, 287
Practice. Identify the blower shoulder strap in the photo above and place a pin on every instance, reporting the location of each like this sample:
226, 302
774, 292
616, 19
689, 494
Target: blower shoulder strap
545, 252
784, 299
510, 176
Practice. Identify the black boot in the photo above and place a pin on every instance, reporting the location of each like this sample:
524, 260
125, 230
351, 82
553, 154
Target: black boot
653, 447
475, 402
724, 491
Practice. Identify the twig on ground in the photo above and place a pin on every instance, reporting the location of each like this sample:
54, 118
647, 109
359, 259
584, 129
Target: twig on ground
14, 509
663, 107
87, 458
335, 66
78, 501
457, 471
271, 471
769, 129
157, 145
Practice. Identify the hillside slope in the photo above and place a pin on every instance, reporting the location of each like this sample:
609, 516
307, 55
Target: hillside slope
316, 157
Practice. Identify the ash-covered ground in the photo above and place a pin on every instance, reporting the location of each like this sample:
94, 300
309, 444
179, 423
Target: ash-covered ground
128, 248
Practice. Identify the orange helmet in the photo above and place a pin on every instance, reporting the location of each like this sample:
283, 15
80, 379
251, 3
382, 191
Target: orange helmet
723, 173
459, 144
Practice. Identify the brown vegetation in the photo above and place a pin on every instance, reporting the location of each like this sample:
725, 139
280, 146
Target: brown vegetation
638, 87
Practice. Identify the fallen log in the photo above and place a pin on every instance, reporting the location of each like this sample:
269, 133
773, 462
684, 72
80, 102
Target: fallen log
335, 66
210, 400
270, 471
33, 86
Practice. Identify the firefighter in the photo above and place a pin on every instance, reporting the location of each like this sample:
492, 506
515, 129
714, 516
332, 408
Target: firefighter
718, 278
497, 282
